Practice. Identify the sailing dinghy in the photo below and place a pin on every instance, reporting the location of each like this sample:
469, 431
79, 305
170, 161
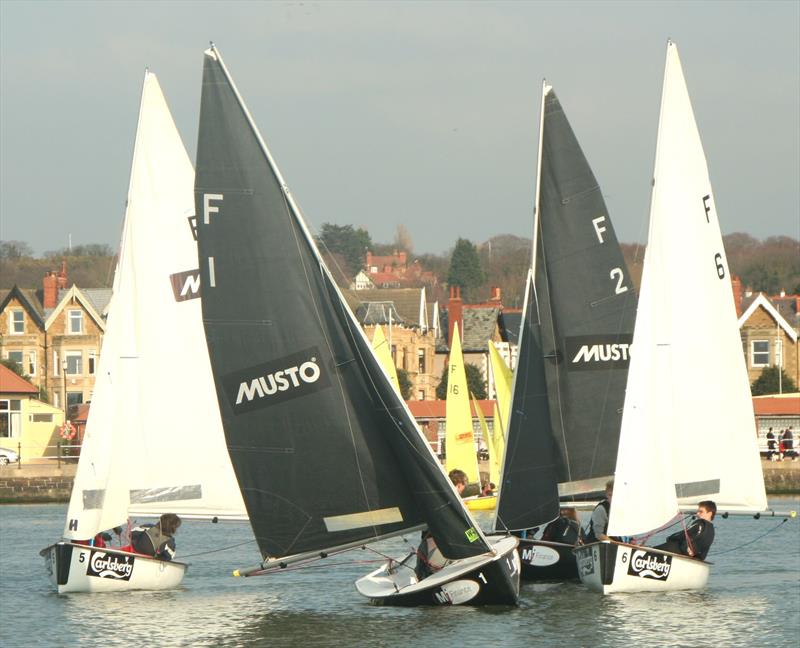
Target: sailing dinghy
576, 329
687, 383
327, 454
145, 452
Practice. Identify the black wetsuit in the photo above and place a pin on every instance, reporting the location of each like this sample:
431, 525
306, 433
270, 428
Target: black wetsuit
563, 530
701, 535
148, 539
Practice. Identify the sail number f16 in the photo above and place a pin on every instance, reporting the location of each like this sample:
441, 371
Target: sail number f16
718, 256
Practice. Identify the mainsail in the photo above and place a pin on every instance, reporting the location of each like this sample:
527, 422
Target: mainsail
687, 388
460, 452
145, 452
576, 331
325, 451
587, 306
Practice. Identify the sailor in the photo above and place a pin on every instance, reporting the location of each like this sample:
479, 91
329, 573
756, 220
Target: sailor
598, 523
565, 528
429, 558
156, 539
696, 540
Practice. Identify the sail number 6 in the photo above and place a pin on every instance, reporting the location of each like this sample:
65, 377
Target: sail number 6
720, 267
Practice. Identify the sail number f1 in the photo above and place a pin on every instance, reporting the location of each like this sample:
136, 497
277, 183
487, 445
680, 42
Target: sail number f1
209, 209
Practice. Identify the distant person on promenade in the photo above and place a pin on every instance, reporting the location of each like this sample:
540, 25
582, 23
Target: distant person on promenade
429, 558
788, 445
772, 448
156, 539
696, 540
565, 528
598, 523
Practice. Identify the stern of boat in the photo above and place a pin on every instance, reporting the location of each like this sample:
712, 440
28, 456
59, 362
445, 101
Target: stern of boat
607, 567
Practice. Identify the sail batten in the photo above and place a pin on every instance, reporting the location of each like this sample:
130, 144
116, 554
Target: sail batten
309, 381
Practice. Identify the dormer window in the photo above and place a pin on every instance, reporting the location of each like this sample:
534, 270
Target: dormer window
17, 322
75, 322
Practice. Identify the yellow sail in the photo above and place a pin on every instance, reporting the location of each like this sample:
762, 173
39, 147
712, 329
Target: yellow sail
459, 440
503, 383
384, 354
494, 466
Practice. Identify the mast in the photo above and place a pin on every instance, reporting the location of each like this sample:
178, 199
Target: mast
325, 451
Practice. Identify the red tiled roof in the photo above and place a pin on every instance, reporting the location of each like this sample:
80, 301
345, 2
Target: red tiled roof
11, 383
777, 405
437, 408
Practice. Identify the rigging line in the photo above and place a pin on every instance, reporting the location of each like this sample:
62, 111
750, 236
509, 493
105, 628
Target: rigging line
756, 539
203, 553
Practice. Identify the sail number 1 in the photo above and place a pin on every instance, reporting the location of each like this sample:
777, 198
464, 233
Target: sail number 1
209, 209
718, 255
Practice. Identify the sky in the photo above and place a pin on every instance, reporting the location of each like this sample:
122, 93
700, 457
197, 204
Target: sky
416, 113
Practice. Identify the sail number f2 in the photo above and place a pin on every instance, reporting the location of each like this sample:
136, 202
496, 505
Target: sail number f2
209, 209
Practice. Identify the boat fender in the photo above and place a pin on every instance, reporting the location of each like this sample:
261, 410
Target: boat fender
323, 554
757, 516
283, 565
215, 520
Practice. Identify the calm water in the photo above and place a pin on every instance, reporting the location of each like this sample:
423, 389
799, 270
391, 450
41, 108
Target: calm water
752, 599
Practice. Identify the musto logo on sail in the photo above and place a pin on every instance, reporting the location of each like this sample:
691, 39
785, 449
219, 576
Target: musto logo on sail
106, 565
650, 565
591, 352
276, 381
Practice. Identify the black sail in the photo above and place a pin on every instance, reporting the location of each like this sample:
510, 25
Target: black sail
587, 307
529, 490
325, 452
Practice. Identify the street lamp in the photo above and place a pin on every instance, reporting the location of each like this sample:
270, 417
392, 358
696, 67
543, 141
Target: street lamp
64, 373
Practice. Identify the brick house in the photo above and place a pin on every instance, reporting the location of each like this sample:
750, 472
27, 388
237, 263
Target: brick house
55, 335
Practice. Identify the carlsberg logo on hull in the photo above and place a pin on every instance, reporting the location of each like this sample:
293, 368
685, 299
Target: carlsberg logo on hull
109, 565
277, 381
646, 564
591, 352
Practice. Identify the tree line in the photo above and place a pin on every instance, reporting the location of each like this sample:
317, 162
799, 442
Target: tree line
770, 266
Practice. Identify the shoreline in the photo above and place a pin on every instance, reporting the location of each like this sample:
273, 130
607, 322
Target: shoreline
51, 484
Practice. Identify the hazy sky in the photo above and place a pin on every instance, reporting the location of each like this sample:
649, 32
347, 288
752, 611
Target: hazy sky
384, 113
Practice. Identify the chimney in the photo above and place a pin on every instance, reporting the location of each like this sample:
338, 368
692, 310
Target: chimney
50, 285
495, 294
454, 314
369, 261
402, 257
62, 276
736, 283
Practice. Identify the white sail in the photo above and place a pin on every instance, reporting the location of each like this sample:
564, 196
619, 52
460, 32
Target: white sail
687, 431
154, 440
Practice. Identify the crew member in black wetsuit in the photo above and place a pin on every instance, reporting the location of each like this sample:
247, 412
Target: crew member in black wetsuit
696, 540
156, 539
429, 558
565, 528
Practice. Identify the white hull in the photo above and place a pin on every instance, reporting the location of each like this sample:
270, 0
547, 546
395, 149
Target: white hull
488, 579
80, 568
610, 567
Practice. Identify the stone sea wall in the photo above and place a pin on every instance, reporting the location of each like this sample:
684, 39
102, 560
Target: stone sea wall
37, 484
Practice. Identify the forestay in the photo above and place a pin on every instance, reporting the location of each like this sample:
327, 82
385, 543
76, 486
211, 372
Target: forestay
687, 429
325, 451
154, 440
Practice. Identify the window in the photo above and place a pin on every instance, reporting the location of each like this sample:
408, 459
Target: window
16, 356
421, 394
760, 354
10, 423
56, 363
74, 360
41, 418
394, 354
421, 361
31, 363
17, 322
92, 362
75, 321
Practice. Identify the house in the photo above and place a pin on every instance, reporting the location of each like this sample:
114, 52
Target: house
431, 418
55, 335
769, 339
27, 424
478, 324
404, 315
392, 271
